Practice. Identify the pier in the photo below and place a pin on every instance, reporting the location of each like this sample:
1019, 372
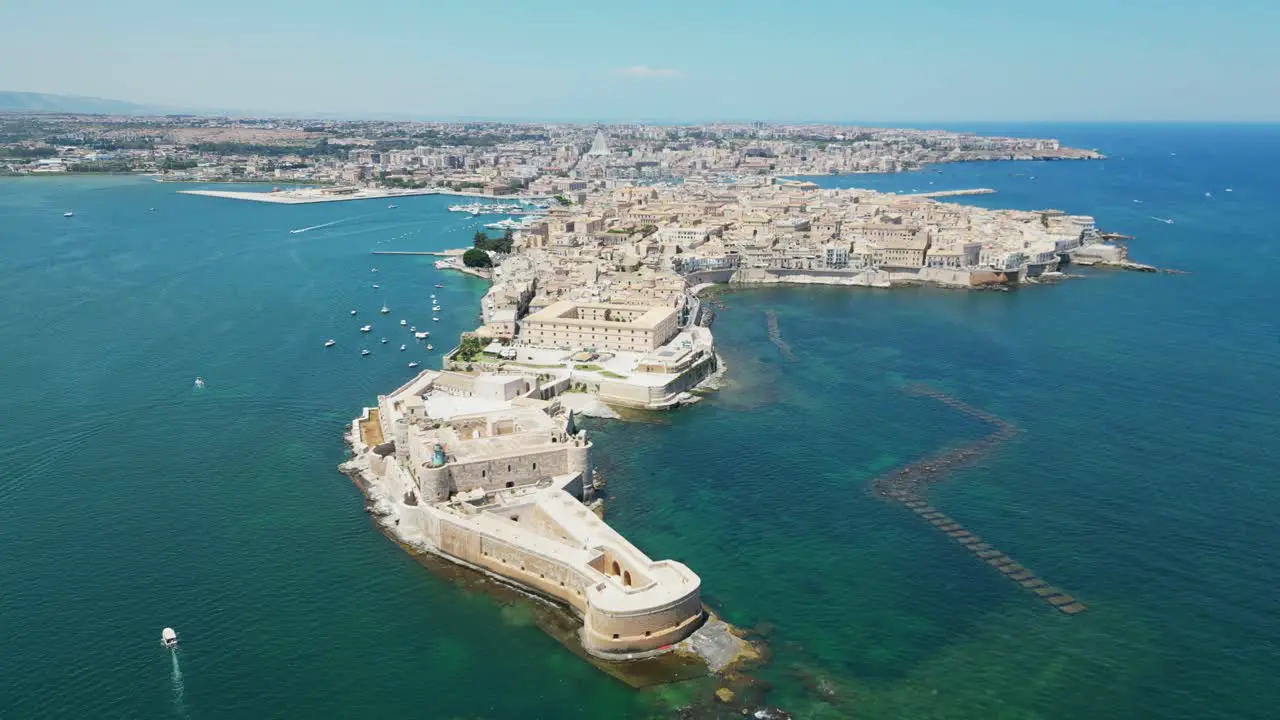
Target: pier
952, 193
907, 485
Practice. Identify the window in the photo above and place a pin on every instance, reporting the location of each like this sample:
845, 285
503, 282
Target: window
482, 473
615, 636
535, 466
508, 467
511, 484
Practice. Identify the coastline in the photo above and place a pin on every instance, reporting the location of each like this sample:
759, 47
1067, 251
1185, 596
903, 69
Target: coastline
306, 197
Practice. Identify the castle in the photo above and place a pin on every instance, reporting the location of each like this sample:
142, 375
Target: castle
488, 474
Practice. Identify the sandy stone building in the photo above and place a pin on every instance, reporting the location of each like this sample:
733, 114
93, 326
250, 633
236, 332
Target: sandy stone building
602, 326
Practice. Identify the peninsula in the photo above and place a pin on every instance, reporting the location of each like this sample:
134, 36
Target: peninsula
594, 306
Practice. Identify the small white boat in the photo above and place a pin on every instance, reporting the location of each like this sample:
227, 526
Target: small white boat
373, 269
439, 286
403, 323
330, 342
433, 296
364, 352
1226, 190
393, 206
413, 364
1208, 195
413, 328
422, 335
435, 308
385, 310
199, 383
402, 348
436, 319
67, 214
169, 638
383, 341
366, 328
376, 286
429, 347
353, 312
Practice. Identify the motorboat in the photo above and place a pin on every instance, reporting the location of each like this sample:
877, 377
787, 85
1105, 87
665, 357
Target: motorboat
383, 341
433, 296
422, 335
199, 383
439, 286
364, 352
169, 638
385, 310
413, 364
435, 308
392, 206
403, 323
366, 328
376, 286
373, 269
67, 214
330, 342
429, 347
402, 348
436, 319
413, 328
353, 312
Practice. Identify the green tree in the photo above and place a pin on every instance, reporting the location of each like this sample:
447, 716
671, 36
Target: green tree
476, 258
479, 239
470, 348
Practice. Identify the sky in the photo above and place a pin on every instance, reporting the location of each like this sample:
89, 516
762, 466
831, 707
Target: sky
661, 60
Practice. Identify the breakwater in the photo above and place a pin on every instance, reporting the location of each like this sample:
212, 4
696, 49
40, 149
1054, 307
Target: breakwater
775, 335
908, 485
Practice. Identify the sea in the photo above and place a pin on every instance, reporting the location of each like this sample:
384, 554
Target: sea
1143, 478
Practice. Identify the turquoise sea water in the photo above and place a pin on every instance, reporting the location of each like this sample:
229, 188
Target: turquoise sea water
1143, 478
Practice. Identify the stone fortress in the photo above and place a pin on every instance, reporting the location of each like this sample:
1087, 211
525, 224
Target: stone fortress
492, 476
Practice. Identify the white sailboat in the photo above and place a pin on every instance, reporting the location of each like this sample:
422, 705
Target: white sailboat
330, 342
366, 328
385, 310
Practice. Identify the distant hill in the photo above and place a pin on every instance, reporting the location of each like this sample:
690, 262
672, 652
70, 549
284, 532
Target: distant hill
45, 102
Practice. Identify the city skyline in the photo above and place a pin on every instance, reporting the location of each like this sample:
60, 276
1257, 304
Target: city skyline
820, 61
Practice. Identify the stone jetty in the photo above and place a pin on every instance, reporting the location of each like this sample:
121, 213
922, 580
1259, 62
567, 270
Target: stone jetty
775, 335
908, 485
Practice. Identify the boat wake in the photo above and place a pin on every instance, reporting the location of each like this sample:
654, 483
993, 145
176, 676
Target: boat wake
178, 691
317, 227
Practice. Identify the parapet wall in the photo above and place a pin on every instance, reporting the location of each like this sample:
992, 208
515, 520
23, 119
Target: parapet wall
562, 574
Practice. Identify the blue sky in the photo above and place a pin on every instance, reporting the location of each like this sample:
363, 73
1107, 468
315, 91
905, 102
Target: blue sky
695, 60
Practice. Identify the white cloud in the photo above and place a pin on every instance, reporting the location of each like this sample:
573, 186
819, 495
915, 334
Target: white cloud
644, 71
